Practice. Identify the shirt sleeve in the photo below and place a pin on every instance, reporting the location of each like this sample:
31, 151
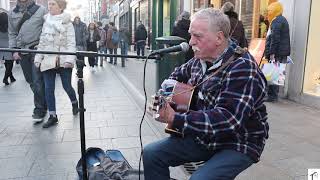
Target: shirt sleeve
182, 73
234, 104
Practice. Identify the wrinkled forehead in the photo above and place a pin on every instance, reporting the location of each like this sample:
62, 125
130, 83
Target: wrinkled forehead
199, 25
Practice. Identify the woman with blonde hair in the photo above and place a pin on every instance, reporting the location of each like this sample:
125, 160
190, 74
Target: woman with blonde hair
57, 35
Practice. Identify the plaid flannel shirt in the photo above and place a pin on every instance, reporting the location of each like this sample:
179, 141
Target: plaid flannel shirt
230, 111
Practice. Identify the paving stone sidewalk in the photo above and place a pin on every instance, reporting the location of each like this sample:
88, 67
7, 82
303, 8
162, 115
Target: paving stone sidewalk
112, 120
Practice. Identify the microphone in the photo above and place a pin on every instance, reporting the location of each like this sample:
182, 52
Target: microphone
184, 47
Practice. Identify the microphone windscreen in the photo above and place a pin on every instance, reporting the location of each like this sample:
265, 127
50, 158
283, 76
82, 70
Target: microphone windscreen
184, 47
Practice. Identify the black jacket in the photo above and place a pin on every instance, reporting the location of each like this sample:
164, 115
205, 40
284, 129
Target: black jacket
278, 42
141, 33
181, 30
237, 31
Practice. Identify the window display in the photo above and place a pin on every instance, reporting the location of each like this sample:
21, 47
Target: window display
312, 67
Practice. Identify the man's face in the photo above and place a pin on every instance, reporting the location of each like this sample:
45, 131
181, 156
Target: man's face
77, 20
203, 40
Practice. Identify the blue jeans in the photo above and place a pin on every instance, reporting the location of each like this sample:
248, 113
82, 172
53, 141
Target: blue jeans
124, 51
49, 81
173, 151
34, 78
103, 51
113, 60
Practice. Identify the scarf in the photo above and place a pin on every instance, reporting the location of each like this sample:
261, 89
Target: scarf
54, 25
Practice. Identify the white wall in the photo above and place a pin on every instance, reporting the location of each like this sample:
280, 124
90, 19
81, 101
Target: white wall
5, 4
288, 12
187, 6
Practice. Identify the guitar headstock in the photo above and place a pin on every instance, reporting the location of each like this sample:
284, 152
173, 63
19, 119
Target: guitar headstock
158, 101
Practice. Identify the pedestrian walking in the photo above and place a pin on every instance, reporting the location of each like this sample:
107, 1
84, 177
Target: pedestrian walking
81, 34
181, 29
102, 43
24, 26
92, 40
237, 30
124, 43
4, 43
57, 35
113, 39
140, 37
278, 42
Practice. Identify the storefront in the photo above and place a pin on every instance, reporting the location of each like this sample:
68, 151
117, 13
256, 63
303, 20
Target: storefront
164, 13
124, 14
311, 84
303, 78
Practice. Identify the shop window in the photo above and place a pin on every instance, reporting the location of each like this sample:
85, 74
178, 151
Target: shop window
312, 66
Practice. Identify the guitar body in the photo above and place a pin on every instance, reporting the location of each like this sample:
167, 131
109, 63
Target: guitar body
179, 99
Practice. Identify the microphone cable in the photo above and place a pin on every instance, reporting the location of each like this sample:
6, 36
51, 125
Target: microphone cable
144, 113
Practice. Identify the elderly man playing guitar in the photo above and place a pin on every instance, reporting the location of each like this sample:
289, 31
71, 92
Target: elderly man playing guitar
226, 121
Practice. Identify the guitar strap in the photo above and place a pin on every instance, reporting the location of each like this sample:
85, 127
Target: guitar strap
27, 15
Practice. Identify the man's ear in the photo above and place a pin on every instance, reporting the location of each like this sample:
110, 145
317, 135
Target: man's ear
220, 38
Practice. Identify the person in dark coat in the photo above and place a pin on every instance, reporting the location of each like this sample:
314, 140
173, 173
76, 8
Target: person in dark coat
140, 37
92, 40
181, 29
81, 33
278, 42
237, 31
124, 42
4, 43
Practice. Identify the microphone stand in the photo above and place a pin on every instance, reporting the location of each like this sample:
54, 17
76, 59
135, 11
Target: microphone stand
80, 65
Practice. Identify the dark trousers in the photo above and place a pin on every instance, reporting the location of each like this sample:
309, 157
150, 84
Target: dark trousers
140, 47
34, 78
273, 91
8, 73
113, 60
92, 46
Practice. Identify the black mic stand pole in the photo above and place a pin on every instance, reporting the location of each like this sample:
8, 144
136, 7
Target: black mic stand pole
80, 65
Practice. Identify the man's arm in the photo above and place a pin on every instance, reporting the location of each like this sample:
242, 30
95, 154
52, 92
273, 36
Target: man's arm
12, 32
239, 93
275, 37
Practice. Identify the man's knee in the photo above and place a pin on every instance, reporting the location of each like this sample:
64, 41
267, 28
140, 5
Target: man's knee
149, 153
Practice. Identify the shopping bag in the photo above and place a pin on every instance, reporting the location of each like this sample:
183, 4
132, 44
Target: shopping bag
275, 73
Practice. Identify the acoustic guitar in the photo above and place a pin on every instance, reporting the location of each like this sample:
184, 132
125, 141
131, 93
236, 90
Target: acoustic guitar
179, 99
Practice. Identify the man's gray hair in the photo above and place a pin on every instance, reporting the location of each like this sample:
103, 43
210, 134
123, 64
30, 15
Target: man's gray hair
218, 21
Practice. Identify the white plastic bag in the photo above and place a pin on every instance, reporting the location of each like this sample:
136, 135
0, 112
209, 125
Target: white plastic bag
275, 73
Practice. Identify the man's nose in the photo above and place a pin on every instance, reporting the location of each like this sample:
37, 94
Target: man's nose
191, 42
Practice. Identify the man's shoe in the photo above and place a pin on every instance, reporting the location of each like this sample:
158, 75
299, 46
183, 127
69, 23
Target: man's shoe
75, 108
12, 79
271, 100
5, 82
37, 118
51, 121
